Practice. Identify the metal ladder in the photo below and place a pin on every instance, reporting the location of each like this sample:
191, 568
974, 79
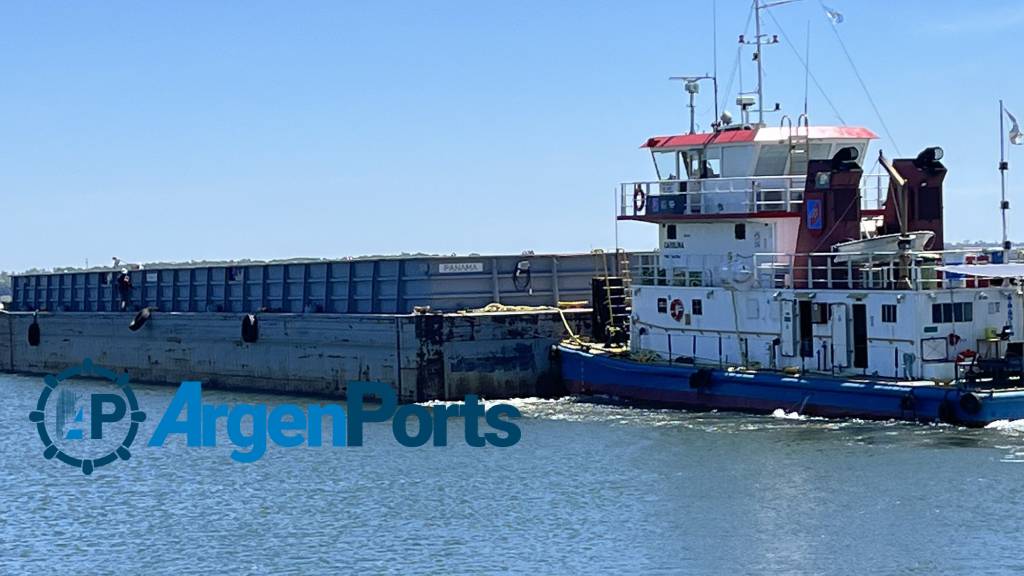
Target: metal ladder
617, 294
799, 147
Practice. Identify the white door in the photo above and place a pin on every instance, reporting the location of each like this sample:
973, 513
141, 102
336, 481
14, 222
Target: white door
840, 336
789, 334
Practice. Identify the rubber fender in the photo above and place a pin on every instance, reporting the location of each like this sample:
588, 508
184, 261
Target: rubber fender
908, 402
250, 328
701, 378
970, 403
947, 412
33, 333
140, 319
521, 275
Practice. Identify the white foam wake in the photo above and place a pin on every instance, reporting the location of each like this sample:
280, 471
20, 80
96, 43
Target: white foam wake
1007, 425
780, 413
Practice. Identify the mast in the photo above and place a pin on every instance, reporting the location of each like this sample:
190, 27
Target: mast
1003, 167
757, 57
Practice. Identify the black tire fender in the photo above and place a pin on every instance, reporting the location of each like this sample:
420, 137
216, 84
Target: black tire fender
250, 328
701, 378
970, 403
908, 402
140, 319
33, 333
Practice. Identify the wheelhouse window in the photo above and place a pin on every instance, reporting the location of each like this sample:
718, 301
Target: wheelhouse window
680, 164
736, 161
666, 164
772, 160
711, 167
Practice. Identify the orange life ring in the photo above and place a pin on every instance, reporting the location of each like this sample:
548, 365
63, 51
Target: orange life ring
965, 355
639, 199
676, 310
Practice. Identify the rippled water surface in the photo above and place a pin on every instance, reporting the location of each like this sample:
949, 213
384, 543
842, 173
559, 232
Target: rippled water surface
591, 488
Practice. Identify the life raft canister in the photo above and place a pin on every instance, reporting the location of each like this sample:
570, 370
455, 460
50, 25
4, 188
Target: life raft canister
676, 310
639, 199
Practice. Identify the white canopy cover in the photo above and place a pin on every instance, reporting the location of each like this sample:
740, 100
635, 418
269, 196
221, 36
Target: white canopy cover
986, 270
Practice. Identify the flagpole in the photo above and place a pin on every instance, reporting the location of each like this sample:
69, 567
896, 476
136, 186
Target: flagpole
1003, 167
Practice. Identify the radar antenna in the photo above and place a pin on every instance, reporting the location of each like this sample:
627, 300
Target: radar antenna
692, 86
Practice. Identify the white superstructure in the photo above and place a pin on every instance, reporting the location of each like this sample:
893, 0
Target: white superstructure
756, 267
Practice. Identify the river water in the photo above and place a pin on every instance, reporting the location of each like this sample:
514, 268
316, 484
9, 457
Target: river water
590, 488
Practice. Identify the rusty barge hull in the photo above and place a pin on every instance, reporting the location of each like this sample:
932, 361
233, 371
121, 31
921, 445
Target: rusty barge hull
422, 356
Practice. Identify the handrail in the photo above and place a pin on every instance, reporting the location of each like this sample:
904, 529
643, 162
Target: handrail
813, 270
736, 194
732, 195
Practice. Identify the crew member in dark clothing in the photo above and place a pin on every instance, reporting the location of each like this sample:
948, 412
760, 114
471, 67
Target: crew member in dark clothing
124, 288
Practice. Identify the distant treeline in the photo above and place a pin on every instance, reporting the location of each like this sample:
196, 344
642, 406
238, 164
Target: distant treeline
968, 244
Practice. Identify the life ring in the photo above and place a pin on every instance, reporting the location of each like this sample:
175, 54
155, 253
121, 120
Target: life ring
953, 338
639, 199
965, 356
676, 310
140, 319
250, 328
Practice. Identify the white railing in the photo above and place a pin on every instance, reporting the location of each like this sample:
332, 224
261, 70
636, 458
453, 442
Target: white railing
745, 195
820, 270
873, 190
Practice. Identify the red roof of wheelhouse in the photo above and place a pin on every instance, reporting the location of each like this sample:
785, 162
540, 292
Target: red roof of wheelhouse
766, 134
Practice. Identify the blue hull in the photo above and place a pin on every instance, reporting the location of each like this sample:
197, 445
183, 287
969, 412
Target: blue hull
695, 388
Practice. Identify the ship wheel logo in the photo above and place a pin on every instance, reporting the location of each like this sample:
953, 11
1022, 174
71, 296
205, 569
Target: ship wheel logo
115, 409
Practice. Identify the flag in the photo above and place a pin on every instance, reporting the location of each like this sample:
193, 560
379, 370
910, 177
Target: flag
1016, 137
834, 15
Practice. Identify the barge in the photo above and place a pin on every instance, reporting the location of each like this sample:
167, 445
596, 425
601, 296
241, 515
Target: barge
431, 327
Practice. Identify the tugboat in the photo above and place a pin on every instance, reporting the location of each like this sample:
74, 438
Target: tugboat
788, 279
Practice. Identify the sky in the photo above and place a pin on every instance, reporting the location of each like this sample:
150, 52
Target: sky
192, 130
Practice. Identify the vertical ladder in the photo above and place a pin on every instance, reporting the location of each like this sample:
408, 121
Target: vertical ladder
611, 297
622, 258
799, 145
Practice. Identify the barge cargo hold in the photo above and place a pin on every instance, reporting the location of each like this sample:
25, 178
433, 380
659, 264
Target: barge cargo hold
421, 324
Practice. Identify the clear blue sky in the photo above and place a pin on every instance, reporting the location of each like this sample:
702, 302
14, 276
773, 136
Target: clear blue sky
217, 130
